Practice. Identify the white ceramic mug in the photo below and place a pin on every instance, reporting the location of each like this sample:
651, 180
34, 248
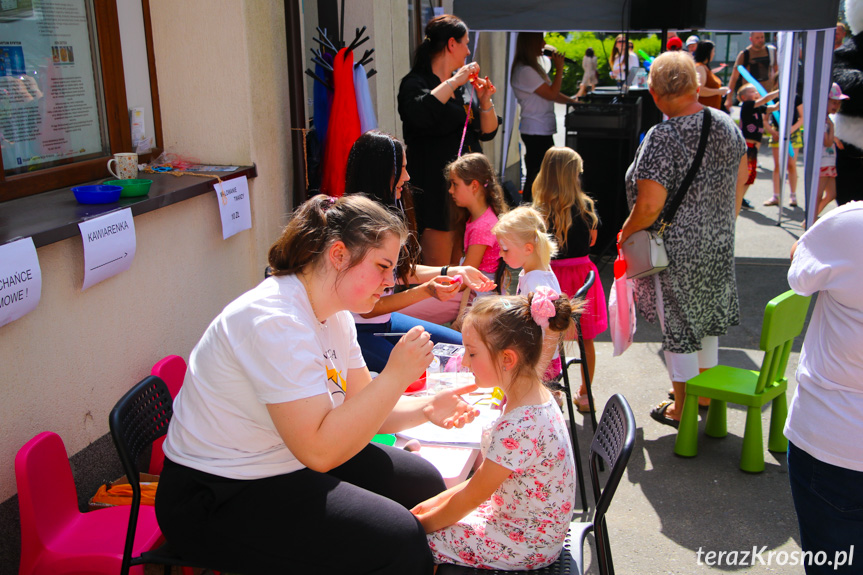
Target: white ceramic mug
126, 165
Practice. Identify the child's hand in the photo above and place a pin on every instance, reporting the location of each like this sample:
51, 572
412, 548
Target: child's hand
475, 279
443, 288
410, 356
839, 143
447, 409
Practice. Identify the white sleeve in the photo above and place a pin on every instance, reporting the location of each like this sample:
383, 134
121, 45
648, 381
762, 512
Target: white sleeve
527, 79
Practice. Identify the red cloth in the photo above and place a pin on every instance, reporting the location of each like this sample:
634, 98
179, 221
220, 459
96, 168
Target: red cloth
344, 125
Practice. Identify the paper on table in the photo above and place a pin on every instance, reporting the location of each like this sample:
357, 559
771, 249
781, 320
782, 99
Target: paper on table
468, 436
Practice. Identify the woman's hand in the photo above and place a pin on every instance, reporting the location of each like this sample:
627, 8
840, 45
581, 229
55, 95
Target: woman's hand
447, 409
558, 60
410, 356
463, 75
474, 279
484, 91
442, 288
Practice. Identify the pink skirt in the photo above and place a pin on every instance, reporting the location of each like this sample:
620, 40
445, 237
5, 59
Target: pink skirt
571, 274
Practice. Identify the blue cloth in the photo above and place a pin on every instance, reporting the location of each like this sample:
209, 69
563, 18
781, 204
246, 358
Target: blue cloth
829, 505
376, 349
365, 106
323, 101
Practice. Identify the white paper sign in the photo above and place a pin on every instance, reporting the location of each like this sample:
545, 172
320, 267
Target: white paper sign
234, 205
109, 246
20, 280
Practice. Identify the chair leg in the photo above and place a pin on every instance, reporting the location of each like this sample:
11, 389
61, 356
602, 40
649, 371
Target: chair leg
576, 452
752, 457
776, 441
717, 420
686, 444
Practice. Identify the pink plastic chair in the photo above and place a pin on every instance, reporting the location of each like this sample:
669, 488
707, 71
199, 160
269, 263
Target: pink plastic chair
172, 370
56, 538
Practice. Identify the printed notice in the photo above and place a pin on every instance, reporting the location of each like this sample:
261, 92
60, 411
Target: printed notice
109, 246
234, 205
20, 280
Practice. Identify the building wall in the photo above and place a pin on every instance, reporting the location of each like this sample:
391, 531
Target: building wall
222, 74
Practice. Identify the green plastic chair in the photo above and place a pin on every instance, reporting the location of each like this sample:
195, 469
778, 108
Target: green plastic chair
783, 321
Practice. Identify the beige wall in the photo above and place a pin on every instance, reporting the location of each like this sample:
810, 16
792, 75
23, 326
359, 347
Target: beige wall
222, 73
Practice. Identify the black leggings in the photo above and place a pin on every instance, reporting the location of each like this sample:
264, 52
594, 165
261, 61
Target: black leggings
353, 519
535, 148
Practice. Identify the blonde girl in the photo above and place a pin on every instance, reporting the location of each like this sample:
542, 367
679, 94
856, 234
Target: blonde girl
571, 219
524, 243
513, 513
478, 200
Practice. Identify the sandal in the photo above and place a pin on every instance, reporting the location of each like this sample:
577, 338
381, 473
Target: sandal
658, 414
582, 404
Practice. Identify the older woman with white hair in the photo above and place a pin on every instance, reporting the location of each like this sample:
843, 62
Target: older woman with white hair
695, 298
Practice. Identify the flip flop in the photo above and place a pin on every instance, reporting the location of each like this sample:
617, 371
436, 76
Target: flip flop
700, 407
582, 404
658, 414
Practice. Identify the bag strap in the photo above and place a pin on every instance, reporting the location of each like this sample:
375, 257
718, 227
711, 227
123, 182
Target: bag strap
690, 175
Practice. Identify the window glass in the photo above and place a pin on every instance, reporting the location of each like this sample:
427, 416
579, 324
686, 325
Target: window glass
51, 103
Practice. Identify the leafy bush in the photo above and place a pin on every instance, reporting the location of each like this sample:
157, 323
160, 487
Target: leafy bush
574, 44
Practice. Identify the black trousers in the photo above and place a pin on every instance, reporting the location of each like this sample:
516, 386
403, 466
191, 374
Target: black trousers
354, 519
535, 148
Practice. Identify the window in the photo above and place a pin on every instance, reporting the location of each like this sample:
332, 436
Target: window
63, 108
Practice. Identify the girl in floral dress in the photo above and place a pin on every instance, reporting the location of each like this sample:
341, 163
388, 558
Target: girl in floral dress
515, 511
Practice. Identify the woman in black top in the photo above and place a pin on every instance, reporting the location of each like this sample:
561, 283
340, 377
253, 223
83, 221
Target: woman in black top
435, 105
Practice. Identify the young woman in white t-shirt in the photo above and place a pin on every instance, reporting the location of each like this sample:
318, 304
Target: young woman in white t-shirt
536, 94
268, 463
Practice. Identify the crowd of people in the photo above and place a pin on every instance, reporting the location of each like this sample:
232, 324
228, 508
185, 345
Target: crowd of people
291, 381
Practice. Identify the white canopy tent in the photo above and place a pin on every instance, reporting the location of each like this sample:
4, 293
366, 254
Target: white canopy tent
814, 22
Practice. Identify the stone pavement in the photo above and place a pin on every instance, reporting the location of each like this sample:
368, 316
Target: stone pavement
668, 508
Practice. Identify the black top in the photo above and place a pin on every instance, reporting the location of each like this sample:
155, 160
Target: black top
432, 132
752, 120
577, 238
798, 101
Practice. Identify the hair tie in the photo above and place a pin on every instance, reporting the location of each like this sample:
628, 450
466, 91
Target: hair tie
542, 305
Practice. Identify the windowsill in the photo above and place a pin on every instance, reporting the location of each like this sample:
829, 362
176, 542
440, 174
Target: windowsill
54, 216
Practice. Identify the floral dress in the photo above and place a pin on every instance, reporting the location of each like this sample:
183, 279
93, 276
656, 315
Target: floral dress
524, 523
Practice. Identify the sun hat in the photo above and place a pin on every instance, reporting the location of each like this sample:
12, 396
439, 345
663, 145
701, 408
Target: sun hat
674, 43
836, 93
693, 40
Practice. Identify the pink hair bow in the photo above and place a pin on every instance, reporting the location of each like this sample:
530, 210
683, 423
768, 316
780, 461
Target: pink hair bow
542, 305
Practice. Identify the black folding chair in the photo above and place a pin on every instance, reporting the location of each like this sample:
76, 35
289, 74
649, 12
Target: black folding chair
581, 360
136, 421
613, 444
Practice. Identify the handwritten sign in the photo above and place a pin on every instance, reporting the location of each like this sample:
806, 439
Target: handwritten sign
20, 280
109, 245
234, 205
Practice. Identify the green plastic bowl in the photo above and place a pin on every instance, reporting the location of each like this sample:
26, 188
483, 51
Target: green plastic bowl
131, 188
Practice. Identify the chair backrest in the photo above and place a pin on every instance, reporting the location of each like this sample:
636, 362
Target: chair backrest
47, 498
588, 283
613, 442
139, 418
784, 318
172, 370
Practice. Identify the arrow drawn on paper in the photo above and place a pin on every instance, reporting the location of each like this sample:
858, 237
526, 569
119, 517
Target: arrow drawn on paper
110, 262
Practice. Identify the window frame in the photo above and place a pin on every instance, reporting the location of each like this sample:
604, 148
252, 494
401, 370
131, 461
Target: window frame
116, 111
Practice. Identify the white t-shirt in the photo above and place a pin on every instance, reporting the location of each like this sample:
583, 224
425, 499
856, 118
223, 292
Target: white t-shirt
825, 418
537, 113
265, 347
618, 69
528, 282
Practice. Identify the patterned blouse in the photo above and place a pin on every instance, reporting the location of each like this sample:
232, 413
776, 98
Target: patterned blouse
699, 287
524, 523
